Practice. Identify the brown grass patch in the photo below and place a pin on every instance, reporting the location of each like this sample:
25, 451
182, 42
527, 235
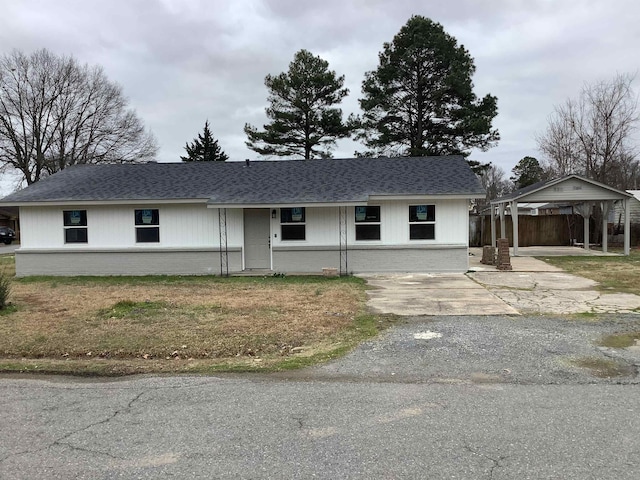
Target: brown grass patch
619, 274
620, 340
604, 367
180, 318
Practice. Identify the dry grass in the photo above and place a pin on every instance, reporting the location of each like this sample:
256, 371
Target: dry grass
619, 274
621, 340
155, 323
604, 367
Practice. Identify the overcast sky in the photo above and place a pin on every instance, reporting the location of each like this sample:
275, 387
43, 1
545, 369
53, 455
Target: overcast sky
183, 61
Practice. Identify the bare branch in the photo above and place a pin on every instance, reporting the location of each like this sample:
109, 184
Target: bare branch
593, 135
55, 113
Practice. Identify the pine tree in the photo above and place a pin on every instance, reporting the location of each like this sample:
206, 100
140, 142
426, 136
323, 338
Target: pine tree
527, 172
420, 100
204, 148
303, 124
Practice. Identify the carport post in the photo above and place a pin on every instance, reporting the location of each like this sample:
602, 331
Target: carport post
502, 226
627, 226
585, 222
514, 222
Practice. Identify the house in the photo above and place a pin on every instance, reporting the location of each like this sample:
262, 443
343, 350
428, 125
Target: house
354, 215
9, 218
634, 210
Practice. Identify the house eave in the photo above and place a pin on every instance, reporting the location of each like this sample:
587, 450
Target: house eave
465, 196
285, 204
137, 201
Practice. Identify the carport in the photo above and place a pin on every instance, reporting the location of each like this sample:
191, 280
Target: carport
582, 193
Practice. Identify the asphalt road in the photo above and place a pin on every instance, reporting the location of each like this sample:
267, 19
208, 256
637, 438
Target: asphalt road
408, 405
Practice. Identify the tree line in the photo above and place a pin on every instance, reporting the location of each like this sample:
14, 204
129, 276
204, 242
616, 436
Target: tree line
420, 100
56, 112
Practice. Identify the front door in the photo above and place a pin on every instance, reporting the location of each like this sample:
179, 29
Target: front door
257, 236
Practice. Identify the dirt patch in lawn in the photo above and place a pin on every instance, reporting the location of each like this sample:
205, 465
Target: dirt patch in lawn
621, 340
604, 367
154, 324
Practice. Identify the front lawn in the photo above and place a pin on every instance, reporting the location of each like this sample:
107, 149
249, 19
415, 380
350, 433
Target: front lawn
122, 325
619, 273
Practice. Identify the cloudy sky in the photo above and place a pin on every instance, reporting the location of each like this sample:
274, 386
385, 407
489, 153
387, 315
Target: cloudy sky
183, 61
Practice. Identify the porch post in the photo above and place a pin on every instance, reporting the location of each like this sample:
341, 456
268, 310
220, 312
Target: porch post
627, 226
514, 222
344, 255
605, 207
502, 224
224, 250
493, 227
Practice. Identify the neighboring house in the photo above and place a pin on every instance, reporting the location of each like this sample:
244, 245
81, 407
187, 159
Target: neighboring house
532, 209
634, 210
354, 215
9, 218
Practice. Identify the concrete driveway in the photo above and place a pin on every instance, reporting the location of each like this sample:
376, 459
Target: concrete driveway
432, 294
5, 249
533, 286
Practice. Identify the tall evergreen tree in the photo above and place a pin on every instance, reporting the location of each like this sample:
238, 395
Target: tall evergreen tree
420, 100
527, 172
204, 148
302, 120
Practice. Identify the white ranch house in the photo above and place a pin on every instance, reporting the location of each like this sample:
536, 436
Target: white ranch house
200, 218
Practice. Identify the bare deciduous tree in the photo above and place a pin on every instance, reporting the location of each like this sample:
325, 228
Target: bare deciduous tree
593, 135
55, 113
494, 182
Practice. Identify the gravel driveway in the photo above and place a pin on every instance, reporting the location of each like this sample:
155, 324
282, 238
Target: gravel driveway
491, 349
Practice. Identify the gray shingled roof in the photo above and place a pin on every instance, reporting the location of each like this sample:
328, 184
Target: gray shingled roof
262, 182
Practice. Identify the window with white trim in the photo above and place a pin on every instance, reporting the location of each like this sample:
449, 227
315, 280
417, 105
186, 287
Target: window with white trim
367, 220
75, 226
292, 223
147, 222
422, 222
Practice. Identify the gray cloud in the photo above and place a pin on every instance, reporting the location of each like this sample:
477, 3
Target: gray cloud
181, 62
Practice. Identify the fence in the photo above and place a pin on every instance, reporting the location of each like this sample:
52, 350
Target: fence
532, 230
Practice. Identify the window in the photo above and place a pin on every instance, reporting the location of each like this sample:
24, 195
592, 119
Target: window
292, 223
147, 229
75, 223
367, 223
422, 222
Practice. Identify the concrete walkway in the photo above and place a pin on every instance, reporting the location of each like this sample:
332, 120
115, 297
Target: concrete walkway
533, 286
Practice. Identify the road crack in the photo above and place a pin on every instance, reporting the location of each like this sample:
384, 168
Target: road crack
62, 443
496, 462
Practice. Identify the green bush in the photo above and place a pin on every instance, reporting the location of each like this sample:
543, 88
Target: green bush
5, 289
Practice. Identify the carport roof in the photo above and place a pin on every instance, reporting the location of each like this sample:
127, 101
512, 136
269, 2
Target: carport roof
567, 188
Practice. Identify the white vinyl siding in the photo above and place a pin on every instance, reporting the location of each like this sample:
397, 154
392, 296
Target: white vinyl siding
321, 228
322, 224
113, 227
452, 219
